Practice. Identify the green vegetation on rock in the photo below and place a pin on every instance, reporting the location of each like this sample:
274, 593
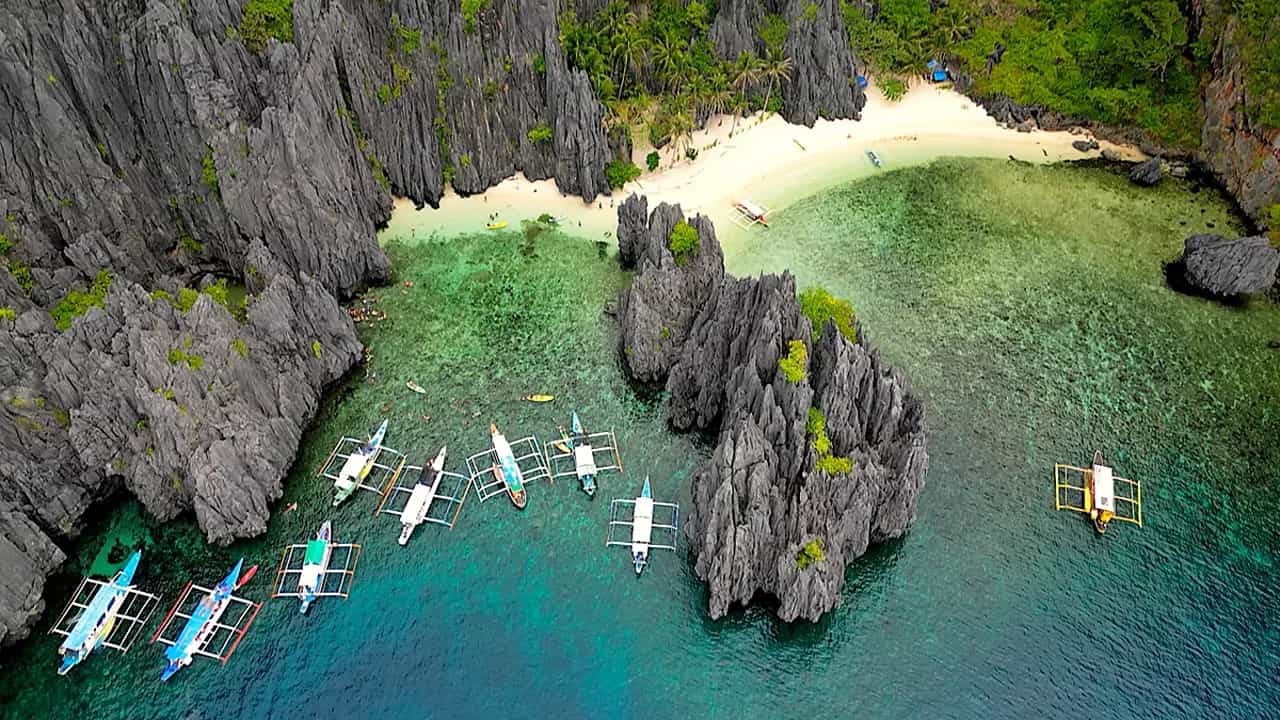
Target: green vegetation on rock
21, 273
539, 133
793, 365
471, 9
826, 463
820, 306
621, 172
315, 348
265, 19
809, 554
683, 242
240, 347
78, 302
209, 172
8, 313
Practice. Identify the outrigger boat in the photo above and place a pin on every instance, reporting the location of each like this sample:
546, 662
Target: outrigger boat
875, 159
430, 488
642, 526
507, 467
1097, 493
204, 622
109, 615
752, 212
423, 494
315, 563
358, 465
582, 449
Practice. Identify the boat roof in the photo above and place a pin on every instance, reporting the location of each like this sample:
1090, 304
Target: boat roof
751, 207
1104, 488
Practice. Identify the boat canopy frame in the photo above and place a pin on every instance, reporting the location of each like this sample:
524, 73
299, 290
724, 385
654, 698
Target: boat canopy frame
343, 559
231, 633
528, 456
1070, 490
615, 524
136, 610
452, 502
559, 450
387, 465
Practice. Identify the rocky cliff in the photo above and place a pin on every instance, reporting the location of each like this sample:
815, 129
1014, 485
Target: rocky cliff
765, 517
147, 140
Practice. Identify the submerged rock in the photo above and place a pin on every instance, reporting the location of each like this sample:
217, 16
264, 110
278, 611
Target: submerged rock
1220, 266
1147, 173
761, 499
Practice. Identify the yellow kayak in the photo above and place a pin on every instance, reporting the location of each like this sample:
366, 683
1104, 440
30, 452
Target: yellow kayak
539, 398
496, 225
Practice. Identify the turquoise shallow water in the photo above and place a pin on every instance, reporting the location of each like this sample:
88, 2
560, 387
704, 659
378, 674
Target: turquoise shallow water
1027, 305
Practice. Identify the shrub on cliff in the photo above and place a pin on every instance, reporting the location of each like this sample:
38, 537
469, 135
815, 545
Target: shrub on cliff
826, 462
820, 306
265, 19
77, 302
793, 364
683, 242
540, 133
811, 553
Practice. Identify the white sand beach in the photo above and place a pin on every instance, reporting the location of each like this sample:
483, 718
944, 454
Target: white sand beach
767, 161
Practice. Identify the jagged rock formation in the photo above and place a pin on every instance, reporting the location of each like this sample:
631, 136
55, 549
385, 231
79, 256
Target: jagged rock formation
821, 83
1216, 265
148, 140
1147, 173
717, 341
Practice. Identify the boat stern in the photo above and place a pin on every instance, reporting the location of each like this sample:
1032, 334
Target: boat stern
405, 531
589, 485
641, 559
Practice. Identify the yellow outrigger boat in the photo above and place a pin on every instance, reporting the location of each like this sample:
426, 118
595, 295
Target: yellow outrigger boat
1092, 491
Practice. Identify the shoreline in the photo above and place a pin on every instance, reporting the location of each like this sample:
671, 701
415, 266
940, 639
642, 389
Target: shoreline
768, 161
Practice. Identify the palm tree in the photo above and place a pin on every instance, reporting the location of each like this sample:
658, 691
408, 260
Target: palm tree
743, 73
681, 124
668, 57
629, 48
776, 69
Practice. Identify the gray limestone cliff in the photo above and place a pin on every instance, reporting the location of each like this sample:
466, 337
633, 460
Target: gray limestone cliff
824, 66
716, 341
148, 141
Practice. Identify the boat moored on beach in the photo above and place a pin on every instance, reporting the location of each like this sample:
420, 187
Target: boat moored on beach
752, 213
875, 159
103, 614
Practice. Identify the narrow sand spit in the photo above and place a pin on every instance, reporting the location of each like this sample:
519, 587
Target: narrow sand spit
766, 160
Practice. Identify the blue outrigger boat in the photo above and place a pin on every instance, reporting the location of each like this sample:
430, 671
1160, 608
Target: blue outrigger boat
507, 469
102, 621
204, 622
875, 159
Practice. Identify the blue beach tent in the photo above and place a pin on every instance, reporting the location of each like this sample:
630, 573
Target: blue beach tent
862, 81
937, 72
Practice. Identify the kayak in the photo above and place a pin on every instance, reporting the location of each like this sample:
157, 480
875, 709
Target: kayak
415, 387
539, 398
496, 225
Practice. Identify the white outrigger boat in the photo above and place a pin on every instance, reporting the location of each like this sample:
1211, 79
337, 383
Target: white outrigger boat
362, 465
429, 491
103, 614
323, 569
591, 454
1095, 494
642, 526
205, 633
750, 213
507, 467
